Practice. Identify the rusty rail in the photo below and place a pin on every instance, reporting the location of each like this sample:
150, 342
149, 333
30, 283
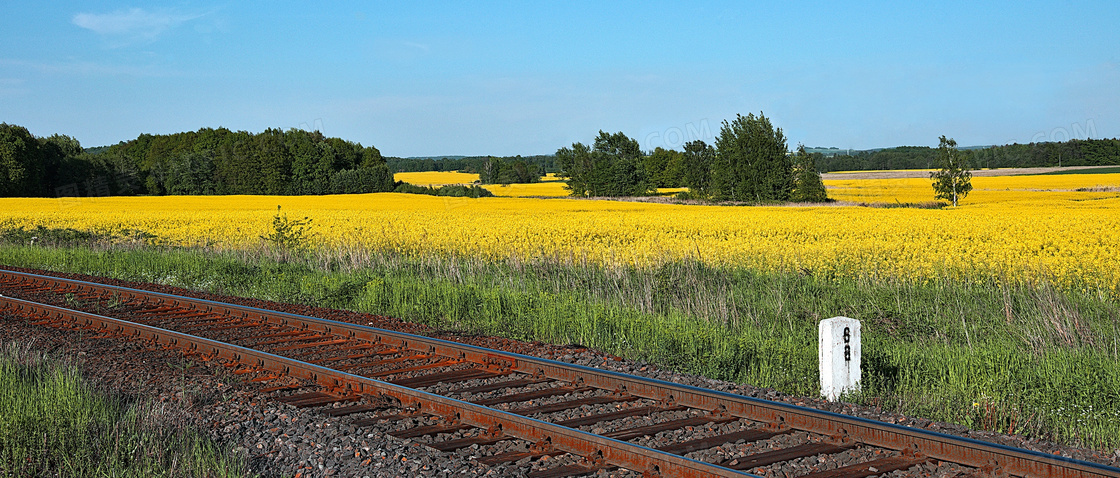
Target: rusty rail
620, 453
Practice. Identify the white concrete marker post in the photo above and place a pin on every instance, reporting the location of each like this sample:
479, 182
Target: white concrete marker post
839, 356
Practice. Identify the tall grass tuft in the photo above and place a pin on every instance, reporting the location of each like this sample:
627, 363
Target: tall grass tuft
53, 423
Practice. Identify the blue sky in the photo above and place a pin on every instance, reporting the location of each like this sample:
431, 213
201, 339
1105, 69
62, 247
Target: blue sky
508, 78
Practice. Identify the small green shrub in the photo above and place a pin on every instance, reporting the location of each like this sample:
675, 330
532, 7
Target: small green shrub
288, 235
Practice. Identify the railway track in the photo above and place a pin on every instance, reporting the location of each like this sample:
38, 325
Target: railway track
515, 408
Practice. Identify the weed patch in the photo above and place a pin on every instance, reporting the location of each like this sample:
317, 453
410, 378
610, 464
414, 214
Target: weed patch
52, 423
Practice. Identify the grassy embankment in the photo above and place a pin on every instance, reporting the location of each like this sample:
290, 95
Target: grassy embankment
53, 423
1025, 358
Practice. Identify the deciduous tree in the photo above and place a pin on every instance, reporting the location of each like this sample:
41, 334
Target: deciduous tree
664, 167
752, 161
697, 162
612, 168
807, 184
953, 180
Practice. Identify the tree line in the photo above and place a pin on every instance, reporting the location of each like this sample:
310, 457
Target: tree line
750, 161
472, 164
1075, 152
203, 162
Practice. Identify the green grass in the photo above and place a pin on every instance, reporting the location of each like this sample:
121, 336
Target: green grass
1024, 358
52, 423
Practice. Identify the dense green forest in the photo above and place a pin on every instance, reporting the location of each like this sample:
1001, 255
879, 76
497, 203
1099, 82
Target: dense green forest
207, 161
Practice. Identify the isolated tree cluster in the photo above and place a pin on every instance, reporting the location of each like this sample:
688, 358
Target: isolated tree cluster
749, 162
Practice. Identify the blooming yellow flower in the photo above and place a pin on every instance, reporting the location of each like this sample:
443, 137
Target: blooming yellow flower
1024, 228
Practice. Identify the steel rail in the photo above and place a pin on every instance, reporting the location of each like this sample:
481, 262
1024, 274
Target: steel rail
994, 458
623, 454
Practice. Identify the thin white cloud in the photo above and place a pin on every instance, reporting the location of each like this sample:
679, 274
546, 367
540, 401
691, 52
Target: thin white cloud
401, 50
132, 24
418, 46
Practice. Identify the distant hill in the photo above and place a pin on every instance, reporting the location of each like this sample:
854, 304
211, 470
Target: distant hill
1091, 152
834, 151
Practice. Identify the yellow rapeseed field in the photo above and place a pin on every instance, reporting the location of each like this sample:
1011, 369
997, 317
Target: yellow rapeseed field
549, 187
986, 190
436, 178
1019, 228
545, 189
